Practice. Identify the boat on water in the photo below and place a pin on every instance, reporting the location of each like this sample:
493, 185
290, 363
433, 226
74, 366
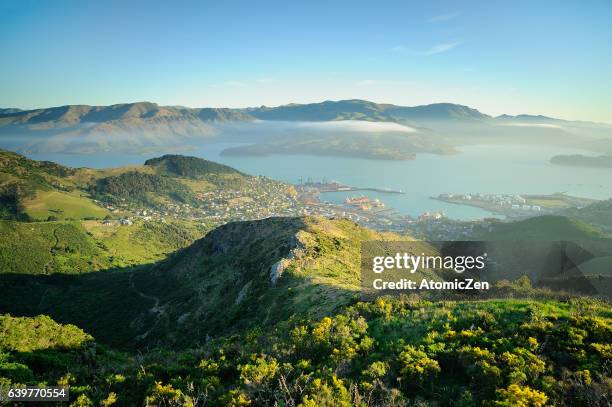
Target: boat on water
359, 200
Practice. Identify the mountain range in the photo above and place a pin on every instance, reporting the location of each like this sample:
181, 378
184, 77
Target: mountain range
353, 109
362, 129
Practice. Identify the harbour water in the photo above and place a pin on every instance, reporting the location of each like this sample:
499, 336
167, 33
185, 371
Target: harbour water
486, 169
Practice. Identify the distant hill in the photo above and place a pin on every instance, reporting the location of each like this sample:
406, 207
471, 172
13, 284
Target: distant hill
436, 111
151, 112
140, 185
527, 117
188, 167
146, 111
324, 111
578, 160
9, 110
557, 252
597, 214
549, 227
134, 127
364, 110
22, 179
37, 190
49, 222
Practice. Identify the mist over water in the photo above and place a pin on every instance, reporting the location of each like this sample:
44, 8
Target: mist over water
359, 126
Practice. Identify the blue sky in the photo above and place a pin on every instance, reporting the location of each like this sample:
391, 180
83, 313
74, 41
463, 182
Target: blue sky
539, 57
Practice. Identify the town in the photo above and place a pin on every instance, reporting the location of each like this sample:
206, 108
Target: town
260, 197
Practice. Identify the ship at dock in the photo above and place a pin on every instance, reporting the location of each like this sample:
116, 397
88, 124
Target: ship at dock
364, 202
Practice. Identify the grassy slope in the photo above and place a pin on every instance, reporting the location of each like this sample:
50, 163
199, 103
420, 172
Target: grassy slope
231, 270
548, 227
598, 214
178, 300
591, 277
44, 248
79, 247
62, 205
48, 189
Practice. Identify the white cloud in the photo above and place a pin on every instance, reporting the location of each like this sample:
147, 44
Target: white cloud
398, 48
440, 48
443, 17
544, 125
266, 80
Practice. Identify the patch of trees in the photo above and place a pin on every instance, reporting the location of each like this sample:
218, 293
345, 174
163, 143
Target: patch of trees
188, 167
19, 165
138, 187
11, 201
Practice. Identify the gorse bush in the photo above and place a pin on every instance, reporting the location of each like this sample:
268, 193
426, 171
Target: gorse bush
390, 352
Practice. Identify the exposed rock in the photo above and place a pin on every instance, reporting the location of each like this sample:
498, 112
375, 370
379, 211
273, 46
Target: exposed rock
243, 293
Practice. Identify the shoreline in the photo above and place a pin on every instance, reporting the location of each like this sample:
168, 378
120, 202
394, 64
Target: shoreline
524, 206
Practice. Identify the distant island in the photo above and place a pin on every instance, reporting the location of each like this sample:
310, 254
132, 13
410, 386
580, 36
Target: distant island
319, 148
578, 160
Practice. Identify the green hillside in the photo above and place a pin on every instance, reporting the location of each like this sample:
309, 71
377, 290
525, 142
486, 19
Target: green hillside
22, 179
356, 109
37, 190
188, 167
74, 247
41, 190
259, 273
549, 227
598, 214
140, 188
55, 204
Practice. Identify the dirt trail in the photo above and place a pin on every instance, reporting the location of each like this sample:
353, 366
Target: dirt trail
156, 309
46, 269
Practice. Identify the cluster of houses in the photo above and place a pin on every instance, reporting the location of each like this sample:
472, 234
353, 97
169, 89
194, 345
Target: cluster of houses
431, 216
256, 198
445, 229
122, 222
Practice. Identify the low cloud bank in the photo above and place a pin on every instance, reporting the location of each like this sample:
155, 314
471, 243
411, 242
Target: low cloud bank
357, 126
